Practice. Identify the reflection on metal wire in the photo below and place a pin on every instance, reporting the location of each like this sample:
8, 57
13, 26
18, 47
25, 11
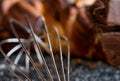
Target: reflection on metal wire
23, 48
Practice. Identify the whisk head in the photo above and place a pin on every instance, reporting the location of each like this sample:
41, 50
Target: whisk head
37, 64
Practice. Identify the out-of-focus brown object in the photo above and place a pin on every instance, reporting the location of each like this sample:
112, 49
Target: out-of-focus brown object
111, 46
91, 65
17, 9
79, 24
114, 13
34, 8
7, 4
76, 24
99, 11
78, 61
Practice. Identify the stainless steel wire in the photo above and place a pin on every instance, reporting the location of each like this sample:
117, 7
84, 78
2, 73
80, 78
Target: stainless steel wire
24, 47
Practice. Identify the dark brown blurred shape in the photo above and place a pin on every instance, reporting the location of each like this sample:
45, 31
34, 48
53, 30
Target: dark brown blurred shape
111, 46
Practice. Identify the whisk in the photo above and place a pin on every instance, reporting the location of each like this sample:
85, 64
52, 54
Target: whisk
23, 49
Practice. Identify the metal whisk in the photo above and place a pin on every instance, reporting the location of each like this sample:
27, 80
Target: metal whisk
22, 46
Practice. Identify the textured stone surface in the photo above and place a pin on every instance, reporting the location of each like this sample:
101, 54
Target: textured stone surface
79, 72
100, 72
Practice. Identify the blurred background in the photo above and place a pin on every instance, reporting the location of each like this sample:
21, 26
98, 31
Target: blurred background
92, 27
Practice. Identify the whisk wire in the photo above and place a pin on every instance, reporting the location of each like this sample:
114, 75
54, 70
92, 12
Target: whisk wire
68, 58
23, 45
8, 59
50, 47
26, 52
39, 50
11, 71
60, 49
